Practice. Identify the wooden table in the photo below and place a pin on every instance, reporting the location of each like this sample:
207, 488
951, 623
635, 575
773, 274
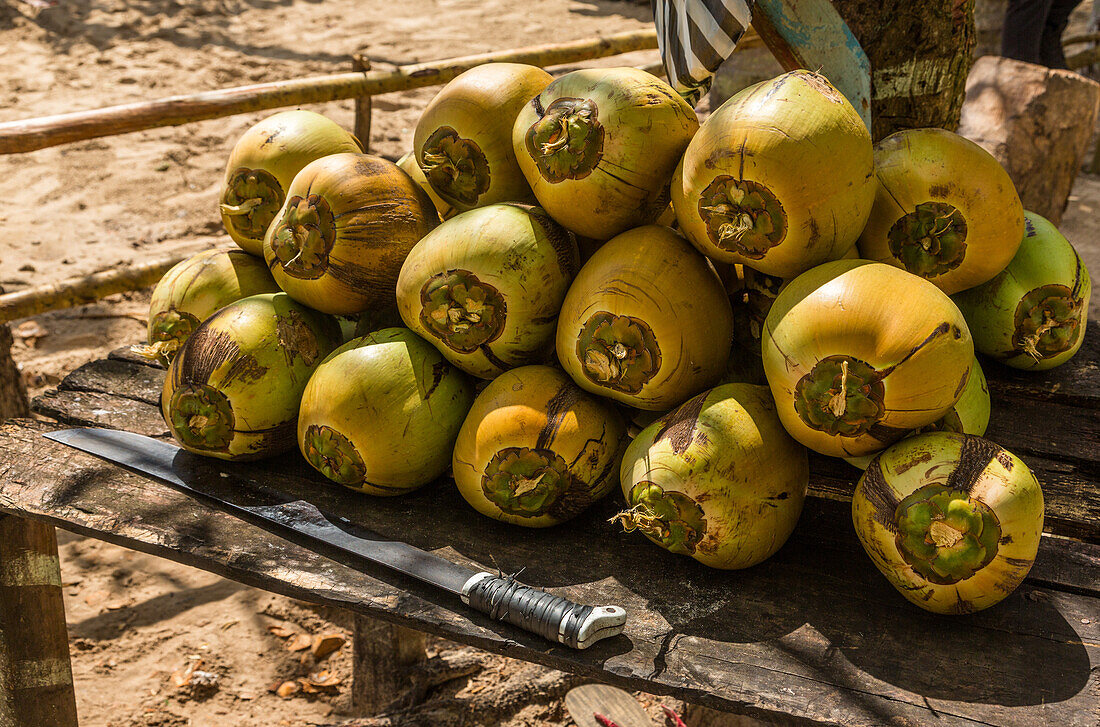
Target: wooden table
814, 632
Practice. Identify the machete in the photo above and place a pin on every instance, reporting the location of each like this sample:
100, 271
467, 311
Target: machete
502, 598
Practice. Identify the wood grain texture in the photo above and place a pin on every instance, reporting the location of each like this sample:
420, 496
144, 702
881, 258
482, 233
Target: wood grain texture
815, 631
586, 701
93, 409
123, 379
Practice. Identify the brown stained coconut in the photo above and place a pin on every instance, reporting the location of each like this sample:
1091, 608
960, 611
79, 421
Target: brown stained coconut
350, 220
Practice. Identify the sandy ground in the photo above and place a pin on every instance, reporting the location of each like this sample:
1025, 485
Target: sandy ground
138, 623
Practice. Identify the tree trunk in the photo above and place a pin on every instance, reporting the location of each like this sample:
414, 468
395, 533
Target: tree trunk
920, 55
1037, 122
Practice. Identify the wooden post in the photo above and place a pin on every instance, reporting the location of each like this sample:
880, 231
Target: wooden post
13, 396
383, 660
362, 104
80, 291
36, 677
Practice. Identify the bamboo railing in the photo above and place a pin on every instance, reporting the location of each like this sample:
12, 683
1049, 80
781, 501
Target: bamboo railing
84, 290
39, 133
32, 134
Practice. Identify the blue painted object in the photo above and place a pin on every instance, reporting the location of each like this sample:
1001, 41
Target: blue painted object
811, 34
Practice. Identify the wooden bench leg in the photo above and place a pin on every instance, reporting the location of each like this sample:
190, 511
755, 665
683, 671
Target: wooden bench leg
383, 661
36, 677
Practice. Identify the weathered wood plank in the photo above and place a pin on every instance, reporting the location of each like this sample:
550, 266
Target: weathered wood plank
126, 353
118, 378
815, 631
93, 409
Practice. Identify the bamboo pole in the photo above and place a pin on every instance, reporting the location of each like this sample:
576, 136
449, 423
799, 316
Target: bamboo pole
88, 289
39, 133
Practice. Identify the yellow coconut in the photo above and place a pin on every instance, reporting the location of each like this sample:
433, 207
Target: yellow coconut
234, 388
779, 178
463, 140
195, 289
952, 520
349, 221
646, 322
858, 354
599, 145
945, 209
263, 164
535, 450
970, 415
381, 413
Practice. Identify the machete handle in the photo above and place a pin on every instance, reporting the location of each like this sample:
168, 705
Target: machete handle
553, 617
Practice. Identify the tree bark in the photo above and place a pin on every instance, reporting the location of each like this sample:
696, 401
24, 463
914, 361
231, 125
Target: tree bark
920, 54
384, 659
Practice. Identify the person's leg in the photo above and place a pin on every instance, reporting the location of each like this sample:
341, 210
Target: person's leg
1050, 47
1025, 21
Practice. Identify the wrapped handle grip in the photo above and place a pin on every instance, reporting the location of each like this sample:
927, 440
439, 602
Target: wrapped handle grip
552, 617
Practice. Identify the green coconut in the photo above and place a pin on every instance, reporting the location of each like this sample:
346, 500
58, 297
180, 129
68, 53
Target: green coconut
1033, 314
599, 146
263, 163
535, 450
381, 413
234, 387
646, 322
195, 289
338, 243
463, 140
970, 415
952, 520
486, 286
717, 479
780, 177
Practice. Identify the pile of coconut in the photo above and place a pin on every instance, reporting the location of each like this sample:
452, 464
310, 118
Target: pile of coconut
570, 284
